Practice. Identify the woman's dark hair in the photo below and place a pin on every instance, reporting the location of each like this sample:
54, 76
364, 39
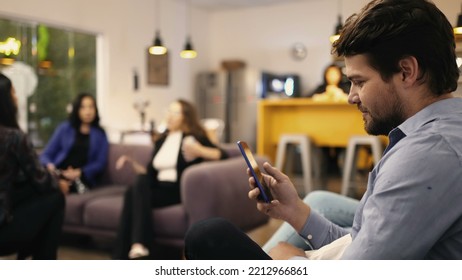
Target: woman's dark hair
191, 120
74, 118
8, 108
386, 31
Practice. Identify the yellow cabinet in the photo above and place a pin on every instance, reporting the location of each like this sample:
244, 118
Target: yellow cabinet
326, 123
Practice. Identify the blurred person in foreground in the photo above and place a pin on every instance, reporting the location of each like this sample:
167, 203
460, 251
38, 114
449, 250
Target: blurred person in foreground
31, 205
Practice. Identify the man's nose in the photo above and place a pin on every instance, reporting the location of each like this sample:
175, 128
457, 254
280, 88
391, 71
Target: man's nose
353, 97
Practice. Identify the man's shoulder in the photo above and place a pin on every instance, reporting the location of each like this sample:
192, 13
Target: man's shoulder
441, 136
424, 155
429, 145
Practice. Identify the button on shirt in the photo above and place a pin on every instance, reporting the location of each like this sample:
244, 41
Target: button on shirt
412, 207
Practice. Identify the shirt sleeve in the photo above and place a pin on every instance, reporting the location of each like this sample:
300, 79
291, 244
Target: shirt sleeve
318, 231
53, 147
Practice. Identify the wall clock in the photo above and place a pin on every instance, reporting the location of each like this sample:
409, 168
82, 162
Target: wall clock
299, 51
158, 69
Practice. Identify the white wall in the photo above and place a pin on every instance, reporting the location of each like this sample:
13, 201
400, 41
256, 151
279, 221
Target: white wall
262, 37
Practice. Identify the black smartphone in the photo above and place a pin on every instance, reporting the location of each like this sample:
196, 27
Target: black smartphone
265, 193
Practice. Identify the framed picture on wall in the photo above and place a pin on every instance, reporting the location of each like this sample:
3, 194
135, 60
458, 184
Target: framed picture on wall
158, 69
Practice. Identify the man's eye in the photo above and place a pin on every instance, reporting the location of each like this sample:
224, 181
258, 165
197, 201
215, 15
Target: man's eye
358, 83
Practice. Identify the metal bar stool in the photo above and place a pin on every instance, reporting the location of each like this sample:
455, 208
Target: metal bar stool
304, 142
349, 168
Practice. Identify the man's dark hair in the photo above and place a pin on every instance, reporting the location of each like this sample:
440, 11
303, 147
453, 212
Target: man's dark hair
74, 118
388, 30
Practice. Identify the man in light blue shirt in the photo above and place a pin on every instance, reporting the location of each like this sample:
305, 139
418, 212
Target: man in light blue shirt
411, 209
400, 58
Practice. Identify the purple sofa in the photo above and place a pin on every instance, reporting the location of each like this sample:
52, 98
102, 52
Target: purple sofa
209, 189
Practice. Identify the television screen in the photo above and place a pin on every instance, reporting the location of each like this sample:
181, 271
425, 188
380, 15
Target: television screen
280, 85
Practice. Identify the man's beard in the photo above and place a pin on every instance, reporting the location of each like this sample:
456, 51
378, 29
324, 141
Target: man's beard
383, 125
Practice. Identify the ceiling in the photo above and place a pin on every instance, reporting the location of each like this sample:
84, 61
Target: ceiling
217, 5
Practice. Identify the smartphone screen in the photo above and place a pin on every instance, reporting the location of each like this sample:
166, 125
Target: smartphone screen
265, 193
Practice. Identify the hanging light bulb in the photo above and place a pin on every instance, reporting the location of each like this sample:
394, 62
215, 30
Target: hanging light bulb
458, 28
339, 25
157, 48
188, 51
336, 34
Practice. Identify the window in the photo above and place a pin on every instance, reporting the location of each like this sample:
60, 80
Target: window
51, 67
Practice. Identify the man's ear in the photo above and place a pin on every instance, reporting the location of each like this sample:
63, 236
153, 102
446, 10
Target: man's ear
409, 69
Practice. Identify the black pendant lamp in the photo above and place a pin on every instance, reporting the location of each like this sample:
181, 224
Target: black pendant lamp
337, 30
188, 52
458, 28
157, 47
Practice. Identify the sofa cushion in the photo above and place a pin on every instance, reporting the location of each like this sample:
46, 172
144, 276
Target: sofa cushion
104, 212
75, 203
170, 221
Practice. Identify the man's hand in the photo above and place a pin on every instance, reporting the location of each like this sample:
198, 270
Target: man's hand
285, 251
286, 205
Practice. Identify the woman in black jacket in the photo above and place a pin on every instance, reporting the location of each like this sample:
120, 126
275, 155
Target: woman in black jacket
31, 205
183, 144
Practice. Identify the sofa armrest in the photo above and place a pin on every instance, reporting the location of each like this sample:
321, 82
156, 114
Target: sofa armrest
220, 189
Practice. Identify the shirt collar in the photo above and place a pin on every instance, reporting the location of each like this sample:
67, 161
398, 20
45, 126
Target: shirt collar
430, 113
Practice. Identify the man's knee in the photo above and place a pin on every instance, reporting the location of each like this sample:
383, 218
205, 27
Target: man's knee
316, 197
208, 228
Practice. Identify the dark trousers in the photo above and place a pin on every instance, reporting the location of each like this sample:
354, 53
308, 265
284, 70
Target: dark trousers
35, 228
218, 239
136, 224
